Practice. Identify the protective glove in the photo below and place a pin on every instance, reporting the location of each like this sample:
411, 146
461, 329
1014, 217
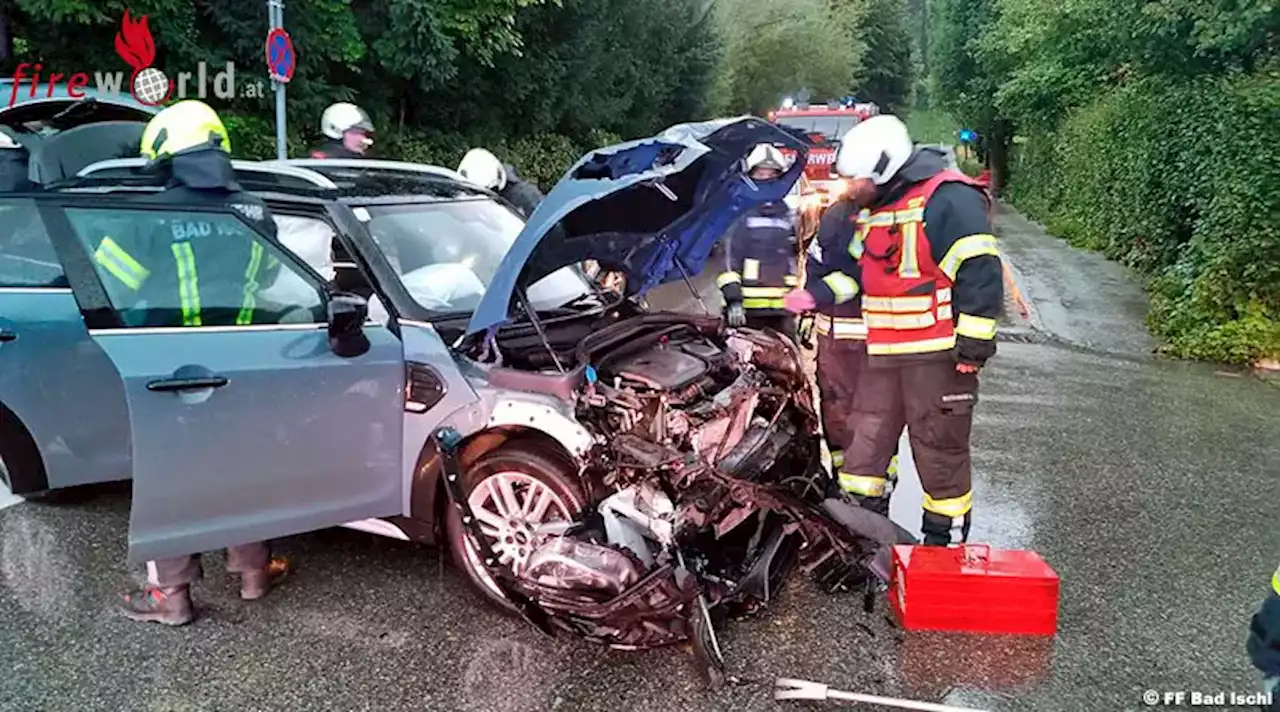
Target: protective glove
736, 315
804, 332
974, 352
798, 301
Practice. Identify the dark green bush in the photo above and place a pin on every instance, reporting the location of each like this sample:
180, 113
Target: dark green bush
541, 158
1181, 181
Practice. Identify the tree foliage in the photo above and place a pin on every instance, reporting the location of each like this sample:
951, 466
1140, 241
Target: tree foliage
539, 80
1149, 130
884, 43
776, 48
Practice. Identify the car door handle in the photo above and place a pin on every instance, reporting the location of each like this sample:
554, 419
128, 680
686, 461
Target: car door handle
7, 335
187, 384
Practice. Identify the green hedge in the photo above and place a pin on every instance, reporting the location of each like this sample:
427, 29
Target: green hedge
541, 158
1180, 181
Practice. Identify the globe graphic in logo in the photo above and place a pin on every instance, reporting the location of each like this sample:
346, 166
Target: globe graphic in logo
150, 86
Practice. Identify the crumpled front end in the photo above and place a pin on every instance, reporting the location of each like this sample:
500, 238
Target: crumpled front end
706, 485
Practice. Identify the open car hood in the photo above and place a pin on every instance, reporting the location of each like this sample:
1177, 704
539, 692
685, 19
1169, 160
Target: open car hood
64, 133
651, 208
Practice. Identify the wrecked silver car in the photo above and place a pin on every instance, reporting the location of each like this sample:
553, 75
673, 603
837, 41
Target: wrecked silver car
702, 488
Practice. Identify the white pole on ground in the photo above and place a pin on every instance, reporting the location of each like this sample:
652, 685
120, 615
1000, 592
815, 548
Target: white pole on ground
788, 689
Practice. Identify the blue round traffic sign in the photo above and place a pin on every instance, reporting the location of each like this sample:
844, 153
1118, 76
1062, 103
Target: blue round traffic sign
281, 59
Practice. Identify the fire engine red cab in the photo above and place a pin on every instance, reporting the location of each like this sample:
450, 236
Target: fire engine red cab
825, 125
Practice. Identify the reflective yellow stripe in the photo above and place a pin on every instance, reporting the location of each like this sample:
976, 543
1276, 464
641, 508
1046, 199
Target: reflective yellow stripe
750, 270
837, 459
909, 266
764, 291
250, 286
727, 278
188, 283
901, 305
884, 219
899, 321
953, 507
842, 286
913, 347
893, 469
976, 327
113, 258
842, 327
1275, 582
965, 248
864, 485
790, 280
858, 244
910, 215
763, 304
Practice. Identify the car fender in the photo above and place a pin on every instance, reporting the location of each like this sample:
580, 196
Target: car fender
495, 418
500, 409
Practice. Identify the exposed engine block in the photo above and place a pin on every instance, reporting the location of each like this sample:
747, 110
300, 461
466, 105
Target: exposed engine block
694, 427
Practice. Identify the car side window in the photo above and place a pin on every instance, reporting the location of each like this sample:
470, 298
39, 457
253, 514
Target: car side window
315, 242
27, 257
165, 268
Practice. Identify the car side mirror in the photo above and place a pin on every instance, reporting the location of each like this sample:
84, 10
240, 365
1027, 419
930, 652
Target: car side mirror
347, 315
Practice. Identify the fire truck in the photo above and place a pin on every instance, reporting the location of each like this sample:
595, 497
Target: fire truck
823, 125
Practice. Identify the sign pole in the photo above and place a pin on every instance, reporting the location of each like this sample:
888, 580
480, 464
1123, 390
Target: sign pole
275, 17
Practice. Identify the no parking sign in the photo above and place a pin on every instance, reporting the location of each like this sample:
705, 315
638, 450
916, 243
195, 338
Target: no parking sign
281, 59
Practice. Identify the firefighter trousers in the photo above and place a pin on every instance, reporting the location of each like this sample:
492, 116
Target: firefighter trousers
842, 364
185, 570
935, 403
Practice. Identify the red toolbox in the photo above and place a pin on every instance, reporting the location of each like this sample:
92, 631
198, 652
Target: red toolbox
973, 589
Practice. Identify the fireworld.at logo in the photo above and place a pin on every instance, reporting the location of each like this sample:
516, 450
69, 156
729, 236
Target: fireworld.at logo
147, 83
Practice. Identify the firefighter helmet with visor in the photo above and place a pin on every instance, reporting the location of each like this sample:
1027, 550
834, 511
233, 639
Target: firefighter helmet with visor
875, 149
189, 125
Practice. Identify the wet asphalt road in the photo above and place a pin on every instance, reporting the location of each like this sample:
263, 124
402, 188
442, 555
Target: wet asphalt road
1150, 486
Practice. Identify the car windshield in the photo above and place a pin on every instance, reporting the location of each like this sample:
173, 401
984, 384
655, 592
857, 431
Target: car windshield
446, 253
833, 128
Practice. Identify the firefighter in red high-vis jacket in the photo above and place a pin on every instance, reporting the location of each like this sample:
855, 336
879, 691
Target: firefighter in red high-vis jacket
931, 291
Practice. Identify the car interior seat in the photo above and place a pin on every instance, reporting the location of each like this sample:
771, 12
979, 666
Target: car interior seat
63, 155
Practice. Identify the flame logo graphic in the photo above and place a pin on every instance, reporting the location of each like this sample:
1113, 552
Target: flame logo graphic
134, 43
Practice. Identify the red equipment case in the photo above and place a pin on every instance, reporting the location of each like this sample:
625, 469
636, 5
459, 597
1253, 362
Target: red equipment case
974, 589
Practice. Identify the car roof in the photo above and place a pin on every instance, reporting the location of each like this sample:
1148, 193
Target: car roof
61, 93
354, 183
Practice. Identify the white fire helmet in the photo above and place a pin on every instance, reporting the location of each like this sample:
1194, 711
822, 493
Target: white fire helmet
342, 117
766, 156
484, 169
876, 148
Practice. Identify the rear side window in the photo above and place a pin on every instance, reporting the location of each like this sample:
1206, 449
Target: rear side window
27, 258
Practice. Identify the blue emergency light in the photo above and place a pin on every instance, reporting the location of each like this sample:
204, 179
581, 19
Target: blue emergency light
968, 136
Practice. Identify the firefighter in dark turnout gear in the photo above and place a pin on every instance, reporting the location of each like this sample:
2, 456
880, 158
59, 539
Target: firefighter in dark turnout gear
760, 256
1264, 643
932, 287
348, 132
832, 280
189, 146
484, 169
189, 141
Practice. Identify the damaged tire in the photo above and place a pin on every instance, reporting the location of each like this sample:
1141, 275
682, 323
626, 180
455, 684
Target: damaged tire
511, 491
